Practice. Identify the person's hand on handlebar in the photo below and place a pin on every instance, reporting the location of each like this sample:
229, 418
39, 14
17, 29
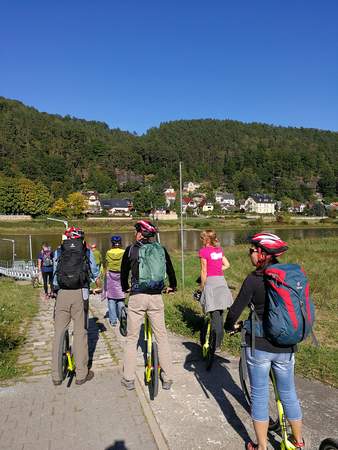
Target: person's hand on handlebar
237, 328
169, 290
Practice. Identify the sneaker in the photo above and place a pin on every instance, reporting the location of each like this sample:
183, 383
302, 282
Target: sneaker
113, 325
166, 385
56, 382
218, 350
90, 376
128, 384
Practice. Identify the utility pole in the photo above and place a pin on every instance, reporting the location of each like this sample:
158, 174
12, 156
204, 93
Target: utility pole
182, 232
30, 248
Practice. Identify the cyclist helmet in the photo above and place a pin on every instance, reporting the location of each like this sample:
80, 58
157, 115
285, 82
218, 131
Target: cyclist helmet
146, 228
116, 240
74, 233
269, 243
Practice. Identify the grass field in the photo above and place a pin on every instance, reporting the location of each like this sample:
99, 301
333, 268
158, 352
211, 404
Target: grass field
18, 304
319, 259
238, 222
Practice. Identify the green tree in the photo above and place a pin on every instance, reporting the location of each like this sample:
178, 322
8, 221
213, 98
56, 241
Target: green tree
59, 208
76, 204
34, 198
145, 201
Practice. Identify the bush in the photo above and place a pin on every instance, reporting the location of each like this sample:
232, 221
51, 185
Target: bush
283, 218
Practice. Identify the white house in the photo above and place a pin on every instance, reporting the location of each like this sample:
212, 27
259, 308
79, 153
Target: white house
297, 208
260, 204
225, 199
190, 186
170, 196
208, 207
93, 202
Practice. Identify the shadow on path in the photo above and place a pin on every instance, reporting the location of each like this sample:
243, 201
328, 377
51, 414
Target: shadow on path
218, 382
94, 328
118, 445
193, 320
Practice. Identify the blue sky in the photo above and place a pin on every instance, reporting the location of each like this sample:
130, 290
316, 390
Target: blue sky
134, 64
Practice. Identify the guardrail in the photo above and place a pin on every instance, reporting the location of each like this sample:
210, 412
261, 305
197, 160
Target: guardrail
20, 270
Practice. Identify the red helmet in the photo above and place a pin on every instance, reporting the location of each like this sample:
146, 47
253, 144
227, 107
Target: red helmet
269, 243
74, 233
146, 228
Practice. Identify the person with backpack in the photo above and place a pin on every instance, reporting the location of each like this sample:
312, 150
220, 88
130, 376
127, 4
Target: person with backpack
45, 266
74, 269
216, 296
148, 263
112, 283
264, 291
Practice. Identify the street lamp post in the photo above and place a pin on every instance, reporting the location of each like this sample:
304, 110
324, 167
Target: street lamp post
13, 243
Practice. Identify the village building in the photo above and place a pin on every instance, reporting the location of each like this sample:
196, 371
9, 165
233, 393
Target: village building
188, 202
225, 199
117, 207
260, 204
170, 196
207, 207
297, 208
93, 202
190, 186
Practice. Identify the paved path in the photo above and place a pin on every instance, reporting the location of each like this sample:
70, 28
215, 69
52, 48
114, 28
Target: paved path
204, 410
100, 415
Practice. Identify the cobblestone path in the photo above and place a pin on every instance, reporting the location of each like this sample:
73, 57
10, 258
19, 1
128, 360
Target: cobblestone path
36, 354
100, 415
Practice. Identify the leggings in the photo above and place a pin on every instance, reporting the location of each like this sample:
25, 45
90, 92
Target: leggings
47, 276
217, 325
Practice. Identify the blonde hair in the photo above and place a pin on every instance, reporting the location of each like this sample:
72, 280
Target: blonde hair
210, 237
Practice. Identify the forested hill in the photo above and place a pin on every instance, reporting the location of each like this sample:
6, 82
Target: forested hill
69, 154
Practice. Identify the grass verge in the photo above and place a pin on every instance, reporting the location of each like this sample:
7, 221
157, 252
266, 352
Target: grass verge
18, 305
319, 259
238, 222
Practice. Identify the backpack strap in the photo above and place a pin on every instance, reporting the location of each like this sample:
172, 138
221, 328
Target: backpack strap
254, 319
243, 354
87, 260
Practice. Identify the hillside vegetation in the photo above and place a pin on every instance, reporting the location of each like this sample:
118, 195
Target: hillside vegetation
67, 154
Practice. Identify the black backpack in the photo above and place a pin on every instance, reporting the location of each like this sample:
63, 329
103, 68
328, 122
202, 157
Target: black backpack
73, 269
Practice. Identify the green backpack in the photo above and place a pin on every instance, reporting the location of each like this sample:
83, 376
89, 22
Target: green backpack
152, 266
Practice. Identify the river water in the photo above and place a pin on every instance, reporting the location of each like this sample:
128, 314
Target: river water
170, 239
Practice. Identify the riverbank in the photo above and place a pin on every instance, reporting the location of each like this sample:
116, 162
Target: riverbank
38, 226
319, 259
18, 305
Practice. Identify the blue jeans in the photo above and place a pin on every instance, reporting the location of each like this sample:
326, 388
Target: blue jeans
283, 368
114, 309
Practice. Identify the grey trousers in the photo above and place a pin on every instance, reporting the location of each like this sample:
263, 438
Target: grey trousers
70, 306
138, 305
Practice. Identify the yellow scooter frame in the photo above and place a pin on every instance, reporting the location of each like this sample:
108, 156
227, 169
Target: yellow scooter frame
285, 443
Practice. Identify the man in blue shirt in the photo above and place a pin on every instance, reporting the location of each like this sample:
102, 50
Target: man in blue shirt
73, 272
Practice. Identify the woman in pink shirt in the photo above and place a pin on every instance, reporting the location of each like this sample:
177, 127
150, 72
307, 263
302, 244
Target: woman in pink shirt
216, 296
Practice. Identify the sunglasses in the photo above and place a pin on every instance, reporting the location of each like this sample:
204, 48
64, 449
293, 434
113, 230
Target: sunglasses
252, 250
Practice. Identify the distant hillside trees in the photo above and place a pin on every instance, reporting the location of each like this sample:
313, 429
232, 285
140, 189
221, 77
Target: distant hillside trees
67, 155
